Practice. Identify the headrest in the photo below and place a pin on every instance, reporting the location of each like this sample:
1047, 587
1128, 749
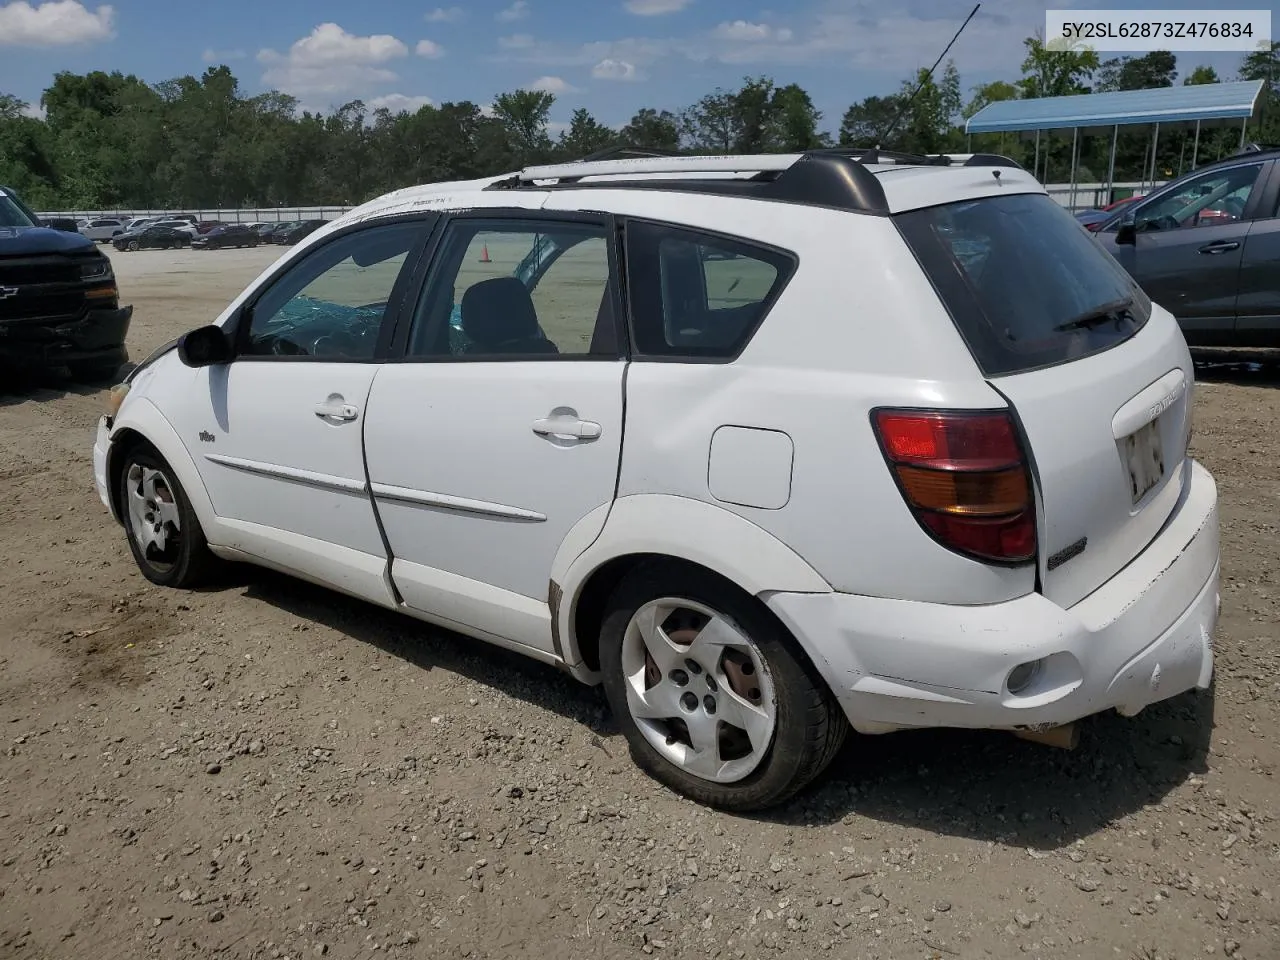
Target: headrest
498, 310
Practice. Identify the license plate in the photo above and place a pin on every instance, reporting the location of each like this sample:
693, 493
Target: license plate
1144, 458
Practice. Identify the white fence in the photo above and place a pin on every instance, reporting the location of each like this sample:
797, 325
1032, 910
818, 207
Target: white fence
1086, 196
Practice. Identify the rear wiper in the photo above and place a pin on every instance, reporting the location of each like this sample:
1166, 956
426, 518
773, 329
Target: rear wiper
1107, 313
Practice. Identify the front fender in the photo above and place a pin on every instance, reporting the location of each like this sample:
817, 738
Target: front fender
679, 527
139, 415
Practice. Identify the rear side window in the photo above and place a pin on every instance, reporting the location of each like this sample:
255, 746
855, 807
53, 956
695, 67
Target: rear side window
696, 295
1026, 286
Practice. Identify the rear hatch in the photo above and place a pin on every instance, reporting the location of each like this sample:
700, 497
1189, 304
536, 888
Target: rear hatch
1100, 387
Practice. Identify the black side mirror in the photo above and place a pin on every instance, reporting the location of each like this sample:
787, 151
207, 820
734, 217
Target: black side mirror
1127, 232
204, 347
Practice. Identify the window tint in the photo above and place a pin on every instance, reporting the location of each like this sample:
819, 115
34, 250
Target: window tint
695, 295
1024, 284
331, 304
1217, 197
512, 289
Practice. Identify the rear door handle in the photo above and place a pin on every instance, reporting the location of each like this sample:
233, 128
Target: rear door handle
336, 410
1220, 246
568, 427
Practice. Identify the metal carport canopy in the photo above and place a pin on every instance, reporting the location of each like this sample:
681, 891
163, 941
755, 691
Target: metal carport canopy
1211, 104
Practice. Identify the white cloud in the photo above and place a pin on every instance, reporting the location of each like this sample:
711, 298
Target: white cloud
330, 60
57, 23
399, 102
746, 31
654, 8
517, 11
610, 69
428, 49
34, 111
222, 56
552, 85
517, 41
445, 15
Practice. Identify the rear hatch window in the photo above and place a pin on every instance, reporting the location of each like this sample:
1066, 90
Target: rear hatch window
1025, 284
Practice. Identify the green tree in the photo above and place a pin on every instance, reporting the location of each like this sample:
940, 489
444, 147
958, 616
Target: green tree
585, 136
1155, 69
1050, 72
1201, 74
987, 93
524, 115
866, 122
652, 129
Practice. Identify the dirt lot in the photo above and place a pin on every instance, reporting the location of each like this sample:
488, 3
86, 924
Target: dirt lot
270, 770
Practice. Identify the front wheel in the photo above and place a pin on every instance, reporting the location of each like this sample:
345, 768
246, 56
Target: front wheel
714, 698
164, 533
177, 244
134, 246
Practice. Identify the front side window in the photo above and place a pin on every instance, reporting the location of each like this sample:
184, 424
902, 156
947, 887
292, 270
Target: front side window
697, 295
515, 290
331, 304
1218, 197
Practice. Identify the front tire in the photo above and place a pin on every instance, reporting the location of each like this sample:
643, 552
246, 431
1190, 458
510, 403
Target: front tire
712, 694
164, 533
134, 246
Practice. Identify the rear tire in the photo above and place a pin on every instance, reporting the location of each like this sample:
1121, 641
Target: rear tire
746, 723
164, 533
134, 246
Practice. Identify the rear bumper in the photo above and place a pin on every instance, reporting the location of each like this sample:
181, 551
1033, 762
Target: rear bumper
98, 335
1142, 637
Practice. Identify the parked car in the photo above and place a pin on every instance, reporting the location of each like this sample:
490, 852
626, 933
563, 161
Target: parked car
103, 229
59, 302
153, 237
138, 223
227, 235
1206, 247
299, 231
185, 226
204, 226
65, 224
751, 509
264, 230
277, 235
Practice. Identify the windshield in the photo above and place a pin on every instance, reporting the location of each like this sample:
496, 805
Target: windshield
1026, 285
12, 215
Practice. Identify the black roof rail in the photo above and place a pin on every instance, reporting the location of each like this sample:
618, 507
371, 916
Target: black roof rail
815, 178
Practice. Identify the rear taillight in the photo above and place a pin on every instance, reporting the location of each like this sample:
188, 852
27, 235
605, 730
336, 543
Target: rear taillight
965, 477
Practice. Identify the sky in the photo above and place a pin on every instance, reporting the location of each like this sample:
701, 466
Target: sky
610, 56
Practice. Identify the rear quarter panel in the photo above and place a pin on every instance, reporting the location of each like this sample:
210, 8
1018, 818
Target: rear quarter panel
857, 327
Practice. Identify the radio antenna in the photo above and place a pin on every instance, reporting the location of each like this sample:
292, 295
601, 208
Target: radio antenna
920, 86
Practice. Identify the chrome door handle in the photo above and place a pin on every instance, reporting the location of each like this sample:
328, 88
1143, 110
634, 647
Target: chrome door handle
1220, 246
569, 427
336, 410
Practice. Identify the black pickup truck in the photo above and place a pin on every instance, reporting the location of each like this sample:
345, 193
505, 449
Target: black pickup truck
59, 304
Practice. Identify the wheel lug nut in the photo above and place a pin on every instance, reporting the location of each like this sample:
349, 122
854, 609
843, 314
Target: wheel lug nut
694, 667
689, 701
711, 683
679, 677
710, 703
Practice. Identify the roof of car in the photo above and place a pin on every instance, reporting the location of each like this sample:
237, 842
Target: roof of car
858, 180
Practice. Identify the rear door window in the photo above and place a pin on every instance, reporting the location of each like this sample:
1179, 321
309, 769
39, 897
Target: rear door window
1024, 284
697, 295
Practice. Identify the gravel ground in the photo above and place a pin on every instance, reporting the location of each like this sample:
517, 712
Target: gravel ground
266, 769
